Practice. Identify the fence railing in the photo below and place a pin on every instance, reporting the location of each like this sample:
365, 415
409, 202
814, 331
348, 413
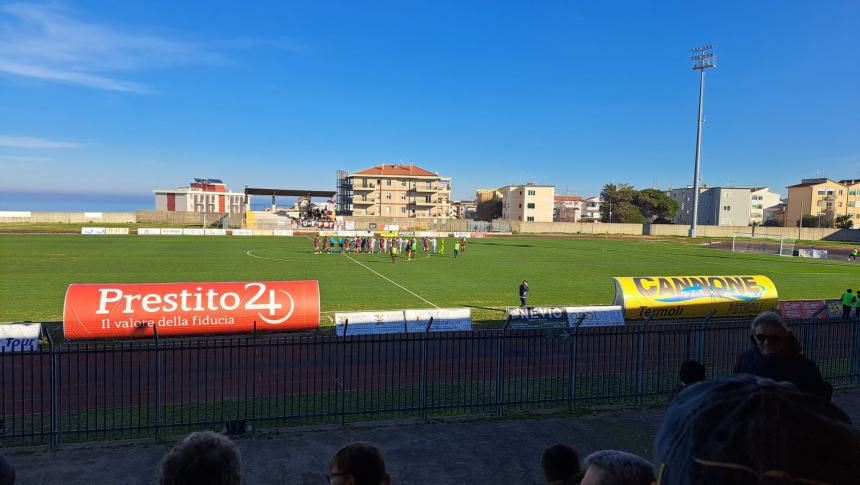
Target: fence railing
73, 392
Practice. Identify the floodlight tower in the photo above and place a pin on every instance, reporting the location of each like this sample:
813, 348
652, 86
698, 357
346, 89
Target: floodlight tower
702, 60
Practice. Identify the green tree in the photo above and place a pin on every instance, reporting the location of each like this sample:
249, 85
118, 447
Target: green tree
489, 210
844, 222
619, 200
654, 203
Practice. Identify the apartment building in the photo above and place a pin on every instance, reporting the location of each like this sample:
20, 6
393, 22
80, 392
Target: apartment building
718, 206
529, 202
762, 198
591, 210
824, 198
464, 209
396, 191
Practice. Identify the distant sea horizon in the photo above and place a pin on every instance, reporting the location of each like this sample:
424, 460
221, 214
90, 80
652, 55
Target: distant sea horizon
74, 202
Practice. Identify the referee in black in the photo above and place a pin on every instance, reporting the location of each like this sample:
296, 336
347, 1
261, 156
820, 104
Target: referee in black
524, 291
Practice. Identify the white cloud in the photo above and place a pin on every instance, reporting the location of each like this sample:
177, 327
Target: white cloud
19, 159
47, 42
8, 141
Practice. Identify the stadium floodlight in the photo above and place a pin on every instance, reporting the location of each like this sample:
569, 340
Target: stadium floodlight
701, 63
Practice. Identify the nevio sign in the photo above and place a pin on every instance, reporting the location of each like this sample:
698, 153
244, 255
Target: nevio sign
20, 337
521, 317
105, 311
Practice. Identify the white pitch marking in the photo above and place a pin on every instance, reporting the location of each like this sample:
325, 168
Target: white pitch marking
391, 281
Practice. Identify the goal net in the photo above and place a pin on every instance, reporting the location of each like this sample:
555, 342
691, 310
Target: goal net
747, 242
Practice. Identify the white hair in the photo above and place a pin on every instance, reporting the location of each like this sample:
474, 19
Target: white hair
621, 468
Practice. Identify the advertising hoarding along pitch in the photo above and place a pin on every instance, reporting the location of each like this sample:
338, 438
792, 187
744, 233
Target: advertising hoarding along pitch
400, 321
20, 337
105, 311
663, 297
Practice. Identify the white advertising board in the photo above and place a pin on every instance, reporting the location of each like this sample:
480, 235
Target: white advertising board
99, 231
19, 337
171, 231
328, 233
149, 231
444, 320
282, 232
193, 231
242, 232
215, 232
93, 215
117, 231
463, 234
346, 233
369, 323
595, 316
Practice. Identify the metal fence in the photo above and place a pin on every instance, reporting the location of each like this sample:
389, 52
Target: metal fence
74, 392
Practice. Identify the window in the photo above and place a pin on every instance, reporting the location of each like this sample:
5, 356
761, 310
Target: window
403, 183
521, 206
402, 196
387, 196
388, 182
388, 210
521, 192
531, 192
530, 205
727, 207
403, 210
530, 218
822, 192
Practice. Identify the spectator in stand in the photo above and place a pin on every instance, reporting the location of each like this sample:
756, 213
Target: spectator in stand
561, 465
7, 472
204, 458
749, 430
776, 354
613, 467
358, 464
847, 302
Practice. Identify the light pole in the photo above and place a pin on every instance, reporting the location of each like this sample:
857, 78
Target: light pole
702, 61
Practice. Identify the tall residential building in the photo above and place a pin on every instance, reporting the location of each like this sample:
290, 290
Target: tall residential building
530, 202
202, 195
396, 191
718, 206
486, 195
824, 198
568, 208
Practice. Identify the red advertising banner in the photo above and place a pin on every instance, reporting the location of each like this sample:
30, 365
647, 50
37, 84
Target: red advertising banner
800, 309
105, 311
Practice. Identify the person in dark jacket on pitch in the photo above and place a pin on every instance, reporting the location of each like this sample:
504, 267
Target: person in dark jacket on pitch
776, 354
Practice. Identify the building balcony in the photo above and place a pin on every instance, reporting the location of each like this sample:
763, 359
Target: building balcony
423, 190
423, 203
363, 188
363, 202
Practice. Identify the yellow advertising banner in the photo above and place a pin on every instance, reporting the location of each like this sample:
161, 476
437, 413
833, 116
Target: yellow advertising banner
388, 233
662, 297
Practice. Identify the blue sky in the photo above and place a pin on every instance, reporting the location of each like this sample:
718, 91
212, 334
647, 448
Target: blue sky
123, 97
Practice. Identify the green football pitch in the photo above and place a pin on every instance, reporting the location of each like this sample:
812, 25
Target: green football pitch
36, 269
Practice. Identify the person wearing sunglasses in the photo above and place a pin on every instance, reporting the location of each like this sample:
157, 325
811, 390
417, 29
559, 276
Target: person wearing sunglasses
776, 354
358, 463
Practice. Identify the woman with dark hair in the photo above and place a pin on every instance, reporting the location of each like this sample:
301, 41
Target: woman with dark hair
776, 354
358, 464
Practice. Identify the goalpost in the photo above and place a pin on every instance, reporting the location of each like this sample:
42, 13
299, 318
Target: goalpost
747, 242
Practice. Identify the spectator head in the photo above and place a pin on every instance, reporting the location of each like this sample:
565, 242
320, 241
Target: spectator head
692, 371
612, 467
202, 458
771, 334
7, 472
749, 430
358, 464
560, 464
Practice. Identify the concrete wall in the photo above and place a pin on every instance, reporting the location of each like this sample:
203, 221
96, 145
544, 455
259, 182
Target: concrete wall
807, 233
576, 228
191, 218
73, 218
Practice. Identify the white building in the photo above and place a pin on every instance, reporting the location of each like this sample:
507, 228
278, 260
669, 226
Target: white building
591, 210
568, 208
463, 209
761, 198
202, 195
528, 203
